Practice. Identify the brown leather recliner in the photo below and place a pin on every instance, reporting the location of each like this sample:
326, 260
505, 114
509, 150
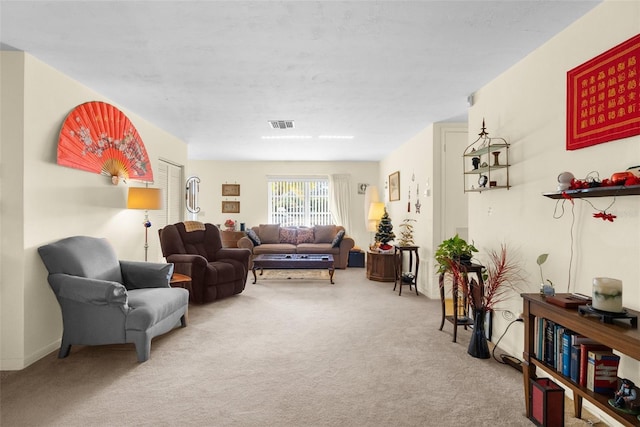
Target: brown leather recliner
196, 250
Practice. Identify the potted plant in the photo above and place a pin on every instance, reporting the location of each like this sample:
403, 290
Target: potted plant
544, 288
454, 249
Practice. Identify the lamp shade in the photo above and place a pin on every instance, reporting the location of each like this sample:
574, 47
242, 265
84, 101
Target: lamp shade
144, 198
376, 211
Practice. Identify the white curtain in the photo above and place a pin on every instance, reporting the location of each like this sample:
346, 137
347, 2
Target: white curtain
340, 200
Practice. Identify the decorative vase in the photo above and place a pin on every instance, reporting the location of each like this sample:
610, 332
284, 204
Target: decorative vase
478, 346
496, 154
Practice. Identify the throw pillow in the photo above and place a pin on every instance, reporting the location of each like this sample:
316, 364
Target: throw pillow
269, 233
253, 237
305, 235
324, 233
337, 239
288, 235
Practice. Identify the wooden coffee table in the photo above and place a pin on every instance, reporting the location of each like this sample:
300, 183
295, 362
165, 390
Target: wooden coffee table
293, 262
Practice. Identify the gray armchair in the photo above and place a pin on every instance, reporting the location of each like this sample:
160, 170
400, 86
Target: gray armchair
107, 301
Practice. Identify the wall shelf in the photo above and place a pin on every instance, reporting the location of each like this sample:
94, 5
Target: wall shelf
618, 190
486, 164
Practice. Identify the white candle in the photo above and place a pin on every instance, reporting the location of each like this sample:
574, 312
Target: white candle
607, 294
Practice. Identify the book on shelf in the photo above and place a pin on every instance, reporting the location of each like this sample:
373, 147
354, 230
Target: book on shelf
602, 371
574, 371
567, 338
549, 342
558, 358
585, 348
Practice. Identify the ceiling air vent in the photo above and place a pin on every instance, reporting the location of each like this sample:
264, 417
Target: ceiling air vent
281, 124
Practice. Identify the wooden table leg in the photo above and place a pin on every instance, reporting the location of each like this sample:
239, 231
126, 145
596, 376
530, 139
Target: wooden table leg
331, 270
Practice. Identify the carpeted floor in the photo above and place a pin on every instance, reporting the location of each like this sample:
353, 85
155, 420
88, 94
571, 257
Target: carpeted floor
283, 353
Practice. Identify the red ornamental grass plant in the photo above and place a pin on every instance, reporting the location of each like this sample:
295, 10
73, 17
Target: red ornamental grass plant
502, 276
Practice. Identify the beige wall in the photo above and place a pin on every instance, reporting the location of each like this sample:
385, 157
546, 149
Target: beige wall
526, 105
252, 177
42, 202
422, 162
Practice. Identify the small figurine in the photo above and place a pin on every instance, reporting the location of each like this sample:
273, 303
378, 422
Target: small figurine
626, 395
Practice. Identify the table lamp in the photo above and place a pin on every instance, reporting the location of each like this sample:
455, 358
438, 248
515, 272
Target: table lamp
147, 199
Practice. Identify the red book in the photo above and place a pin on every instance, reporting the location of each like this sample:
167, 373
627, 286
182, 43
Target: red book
585, 348
602, 372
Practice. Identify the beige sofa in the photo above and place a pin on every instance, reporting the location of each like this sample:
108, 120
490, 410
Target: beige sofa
319, 239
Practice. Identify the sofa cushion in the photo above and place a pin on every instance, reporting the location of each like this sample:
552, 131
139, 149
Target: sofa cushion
336, 240
274, 248
324, 233
253, 237
305, 235
269, 233
288, 235
150, 305
317, 248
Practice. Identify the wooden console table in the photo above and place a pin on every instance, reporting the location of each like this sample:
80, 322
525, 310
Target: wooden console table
381, 267
620, 336
230, 238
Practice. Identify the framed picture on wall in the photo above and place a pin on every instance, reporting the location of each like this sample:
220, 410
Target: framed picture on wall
230, 207
230, 190
394, 186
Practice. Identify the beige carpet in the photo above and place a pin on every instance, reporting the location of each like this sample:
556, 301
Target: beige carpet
282, 353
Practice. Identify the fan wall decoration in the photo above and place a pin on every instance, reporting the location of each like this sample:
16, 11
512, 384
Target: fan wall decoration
97, 137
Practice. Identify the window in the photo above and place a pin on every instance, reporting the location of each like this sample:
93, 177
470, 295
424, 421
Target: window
299, 201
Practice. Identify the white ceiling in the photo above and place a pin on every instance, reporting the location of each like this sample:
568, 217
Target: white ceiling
214, 72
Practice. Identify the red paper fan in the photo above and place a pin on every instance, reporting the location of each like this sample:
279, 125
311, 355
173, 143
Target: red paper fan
97, 137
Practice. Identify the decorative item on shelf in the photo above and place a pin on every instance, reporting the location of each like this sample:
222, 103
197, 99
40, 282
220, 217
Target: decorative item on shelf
545, 289
148, 199
607, 294
406, 233
97, 137
475, 161
496, 155
230, 225
564, 181
626, 398
487, 173
504, 276
385, 233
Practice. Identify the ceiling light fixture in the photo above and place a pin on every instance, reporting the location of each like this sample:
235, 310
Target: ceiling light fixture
335, 137
282, 124
287, 137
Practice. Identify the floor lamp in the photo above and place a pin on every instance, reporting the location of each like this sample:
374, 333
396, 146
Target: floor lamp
147, 199
376, 211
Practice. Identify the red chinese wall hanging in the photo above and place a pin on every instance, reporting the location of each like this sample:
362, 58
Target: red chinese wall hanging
603, 97
97, 137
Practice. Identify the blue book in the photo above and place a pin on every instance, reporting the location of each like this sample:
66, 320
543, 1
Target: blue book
566, 353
